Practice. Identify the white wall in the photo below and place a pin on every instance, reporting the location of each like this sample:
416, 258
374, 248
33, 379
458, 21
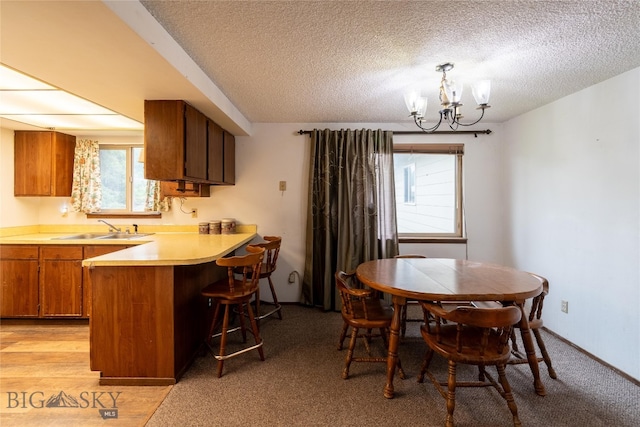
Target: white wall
14, 211
572, 214
275, 152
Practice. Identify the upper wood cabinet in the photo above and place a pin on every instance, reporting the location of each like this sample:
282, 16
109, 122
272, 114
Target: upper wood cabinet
175, 142
229, 158
222, 156
195, 161
216, 153
182, 144
43, 163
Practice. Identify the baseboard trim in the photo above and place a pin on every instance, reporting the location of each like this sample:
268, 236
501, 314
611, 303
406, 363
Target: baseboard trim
597, 359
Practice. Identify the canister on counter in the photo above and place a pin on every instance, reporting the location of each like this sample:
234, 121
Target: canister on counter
203, 228
228, 226
215, 226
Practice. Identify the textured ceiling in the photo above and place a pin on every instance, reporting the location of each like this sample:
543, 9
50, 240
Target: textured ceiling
351, 61
317, 61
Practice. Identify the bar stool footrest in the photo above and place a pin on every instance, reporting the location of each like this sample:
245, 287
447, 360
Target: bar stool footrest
235, 353
277, 308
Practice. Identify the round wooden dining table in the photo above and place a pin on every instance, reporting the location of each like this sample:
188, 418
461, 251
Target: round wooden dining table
444, 279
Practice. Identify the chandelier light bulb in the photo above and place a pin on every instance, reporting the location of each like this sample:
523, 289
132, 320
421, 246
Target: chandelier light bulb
481, 91
416, 103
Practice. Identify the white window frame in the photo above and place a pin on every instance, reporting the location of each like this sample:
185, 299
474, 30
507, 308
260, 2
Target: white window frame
456, 150
129, 149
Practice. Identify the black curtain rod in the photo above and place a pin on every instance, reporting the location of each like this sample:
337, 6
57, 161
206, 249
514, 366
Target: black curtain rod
418, 132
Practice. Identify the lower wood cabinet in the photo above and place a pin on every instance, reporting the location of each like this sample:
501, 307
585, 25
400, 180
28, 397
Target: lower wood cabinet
19, 290
90, 252
61, 281
47, 280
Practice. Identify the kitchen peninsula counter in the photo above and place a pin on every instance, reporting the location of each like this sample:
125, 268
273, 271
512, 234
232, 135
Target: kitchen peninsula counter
148, 318
164, 249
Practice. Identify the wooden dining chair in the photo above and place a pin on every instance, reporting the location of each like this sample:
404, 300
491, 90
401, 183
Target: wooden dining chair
535, 324
474, 336
237, 289
363, 310
372, 295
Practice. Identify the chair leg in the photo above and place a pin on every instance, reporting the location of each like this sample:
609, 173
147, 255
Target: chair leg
514, 341
545, 355
481, 373
451, 394
256, 330
276, 304
343, 335
223, 339
275, 298
258, 304
243, 327
425, 364
214, 322
403, 320
367, 341
507, 394
349, 357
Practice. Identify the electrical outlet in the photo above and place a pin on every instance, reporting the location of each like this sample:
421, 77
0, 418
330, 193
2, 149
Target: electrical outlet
283, 186
194, 213
564, 306
292, 276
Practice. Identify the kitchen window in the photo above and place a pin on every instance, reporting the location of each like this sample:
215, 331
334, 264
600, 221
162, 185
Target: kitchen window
428, 179
124, 187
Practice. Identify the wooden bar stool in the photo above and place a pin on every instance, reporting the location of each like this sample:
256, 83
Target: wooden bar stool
235, 290
268, 266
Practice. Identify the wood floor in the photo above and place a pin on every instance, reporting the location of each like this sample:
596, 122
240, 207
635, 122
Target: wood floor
45, 380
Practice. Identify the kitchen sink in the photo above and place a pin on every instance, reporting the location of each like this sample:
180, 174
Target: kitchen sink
124, 235
83, 236
90, 236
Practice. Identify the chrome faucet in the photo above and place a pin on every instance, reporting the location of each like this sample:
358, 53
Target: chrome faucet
112, 228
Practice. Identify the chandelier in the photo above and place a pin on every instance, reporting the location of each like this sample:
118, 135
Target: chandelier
450, 96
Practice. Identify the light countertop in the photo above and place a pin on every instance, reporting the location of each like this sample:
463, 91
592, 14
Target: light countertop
158, 249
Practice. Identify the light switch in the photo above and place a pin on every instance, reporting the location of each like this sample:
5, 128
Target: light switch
283, 185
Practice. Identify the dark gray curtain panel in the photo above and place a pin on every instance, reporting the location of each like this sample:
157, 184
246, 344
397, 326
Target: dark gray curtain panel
351, 211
